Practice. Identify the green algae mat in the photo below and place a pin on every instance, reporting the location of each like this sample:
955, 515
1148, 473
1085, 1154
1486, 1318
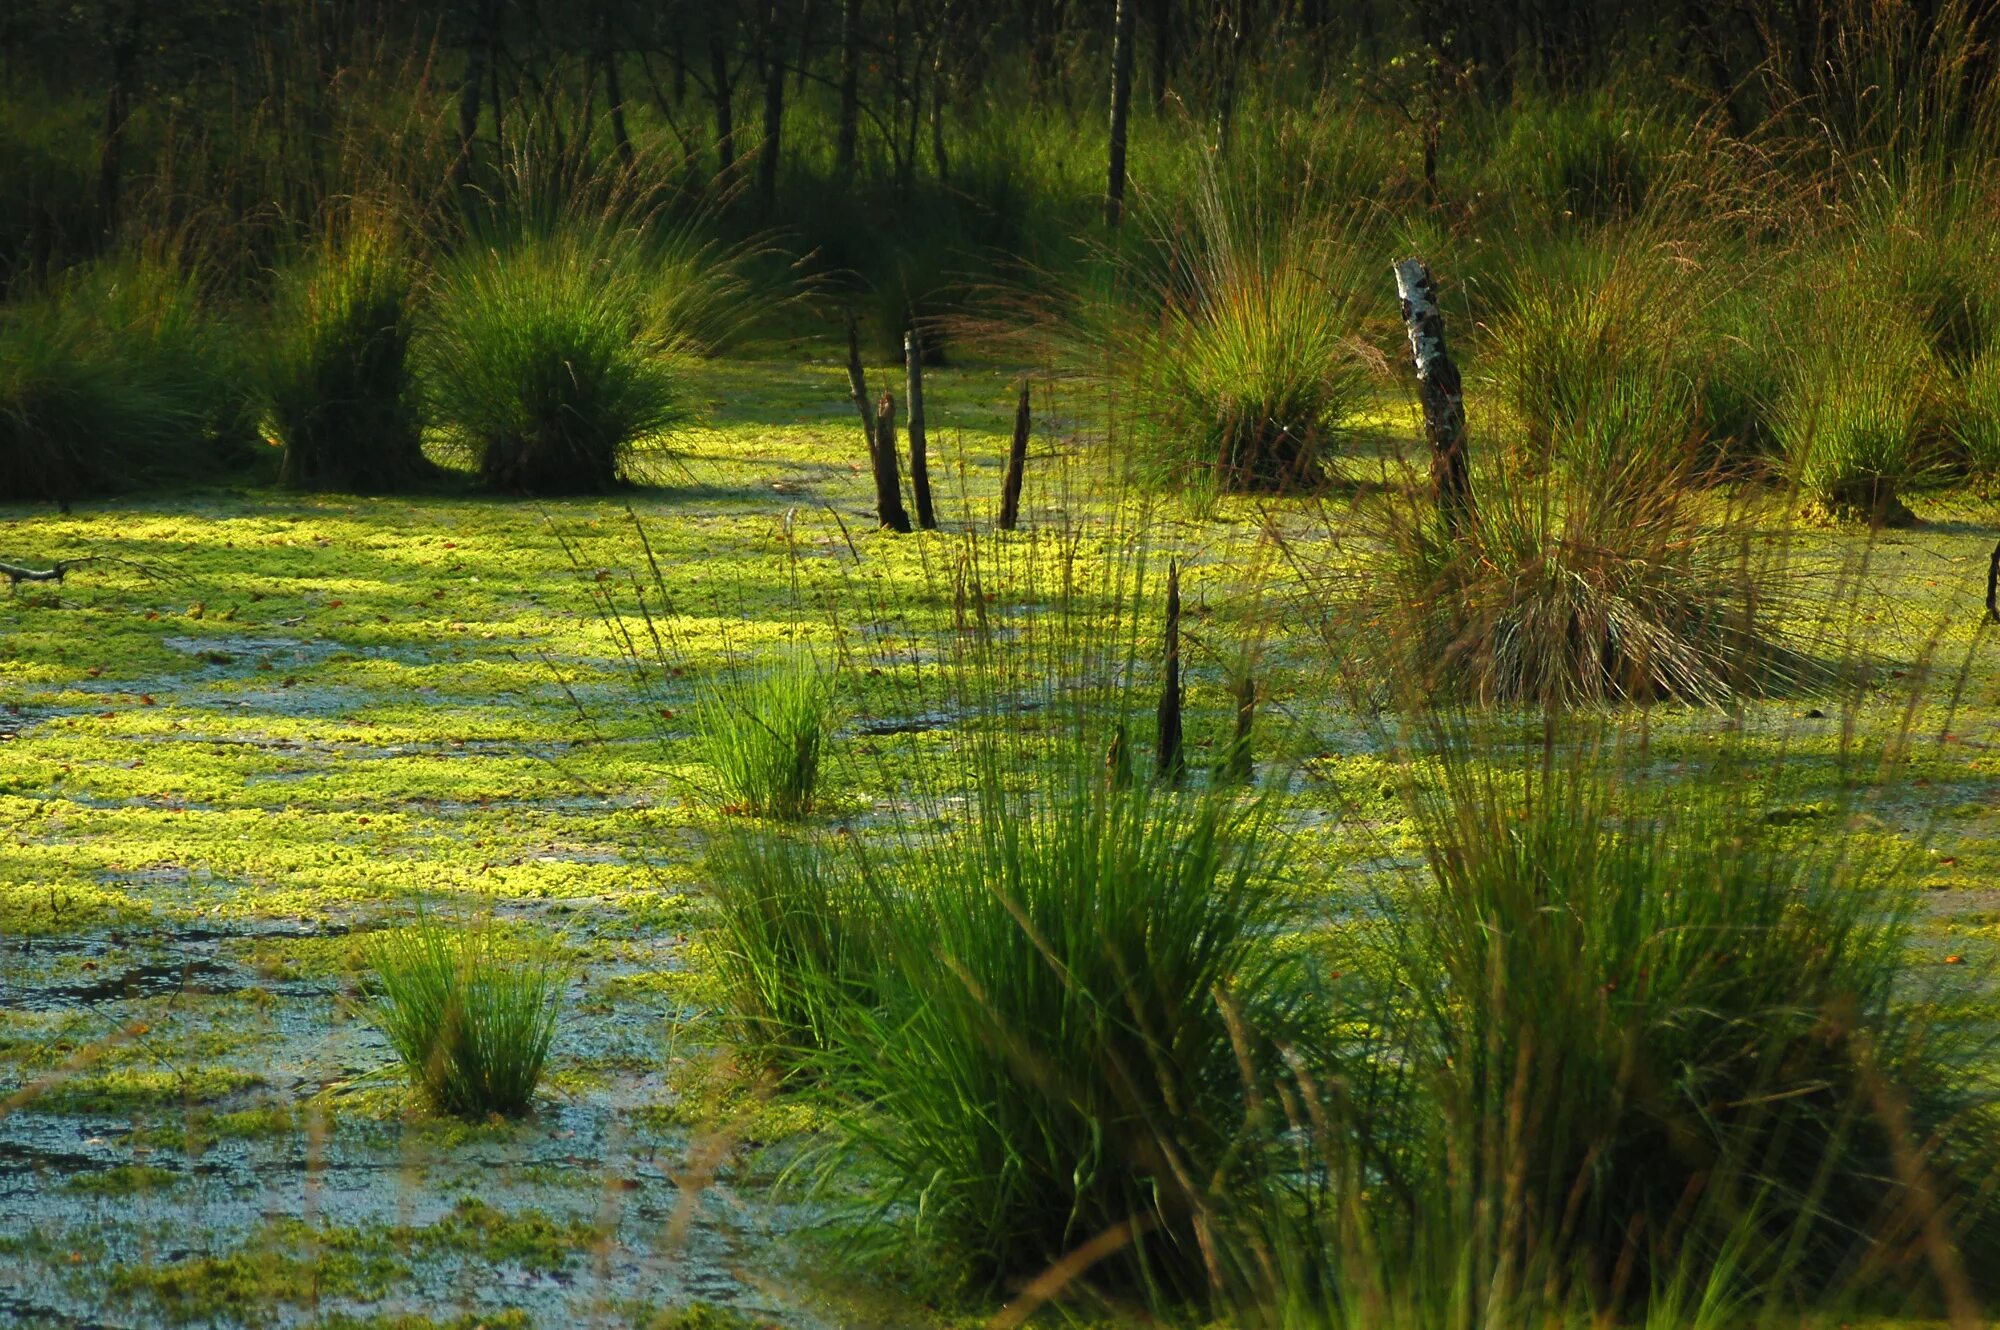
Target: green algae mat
260, 725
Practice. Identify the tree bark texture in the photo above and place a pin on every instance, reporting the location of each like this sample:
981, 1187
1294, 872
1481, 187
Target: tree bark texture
1440, 391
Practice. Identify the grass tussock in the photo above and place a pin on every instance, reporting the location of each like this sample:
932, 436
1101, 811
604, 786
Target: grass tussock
470, 1012
547, 365
118, 376
1256, 369
340, 387
765, 735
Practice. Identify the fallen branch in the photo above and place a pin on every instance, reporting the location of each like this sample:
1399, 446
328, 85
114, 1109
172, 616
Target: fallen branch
16, 574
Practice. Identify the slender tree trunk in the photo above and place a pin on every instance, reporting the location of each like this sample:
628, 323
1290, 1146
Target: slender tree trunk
920, 463
614, 93
774, 106
1163, 49
724, 94
1172, 760
940, 44
1440, 391
121, 30
1121, 106
805, 49
1017, 464
847, 135
1232, 60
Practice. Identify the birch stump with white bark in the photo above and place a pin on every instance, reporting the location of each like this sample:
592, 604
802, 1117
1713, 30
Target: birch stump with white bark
1439, 390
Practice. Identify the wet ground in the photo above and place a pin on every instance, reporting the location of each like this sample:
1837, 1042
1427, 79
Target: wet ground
267, 724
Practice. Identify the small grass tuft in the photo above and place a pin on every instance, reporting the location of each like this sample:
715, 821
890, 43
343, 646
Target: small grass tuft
469, 1011
765, 735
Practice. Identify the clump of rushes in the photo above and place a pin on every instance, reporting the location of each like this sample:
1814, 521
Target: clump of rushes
1603, 575
795, 944
1655, 1028
1256, 368
1074, 998
1976, 421
469, 1010
764, 735
114, 379
340, 384
547, 366
1860, 417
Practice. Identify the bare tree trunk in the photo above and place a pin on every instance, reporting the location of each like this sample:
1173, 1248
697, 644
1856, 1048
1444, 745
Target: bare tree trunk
888, 489
614, 92
888, 484
941, 43
920, 463
1163, 49
1172, 761
1440, 391
1017, 463
1121, 106
725, 112
847, 136
774, 105
122, 36
1225, 109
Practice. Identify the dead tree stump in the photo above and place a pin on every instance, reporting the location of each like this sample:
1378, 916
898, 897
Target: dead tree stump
888, 483
1440, 391
920, 462
888, 486
1172, 761
1017, 463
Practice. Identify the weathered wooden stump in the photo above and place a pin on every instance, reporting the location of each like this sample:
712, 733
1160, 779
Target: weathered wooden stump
1440, 391
1017, 464
920, 462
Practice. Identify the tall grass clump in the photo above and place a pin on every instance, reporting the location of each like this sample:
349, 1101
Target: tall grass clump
546, 364
1861, 417
1652, 1052
340, 383
765, 734
1597, 574
113, 378
469, 1011
1074, 992
1581, 160
1976, 423
1655, 1019
795, 944
1254, 370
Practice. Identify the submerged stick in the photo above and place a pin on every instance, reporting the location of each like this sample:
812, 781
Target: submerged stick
1017, 462
888, 484
920, 462
1172, 762
1440, 391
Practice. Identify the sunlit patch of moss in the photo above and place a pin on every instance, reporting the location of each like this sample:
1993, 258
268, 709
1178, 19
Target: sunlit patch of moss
286, 1264
525, 1238
511, 1318
127, 1090
123, 1180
